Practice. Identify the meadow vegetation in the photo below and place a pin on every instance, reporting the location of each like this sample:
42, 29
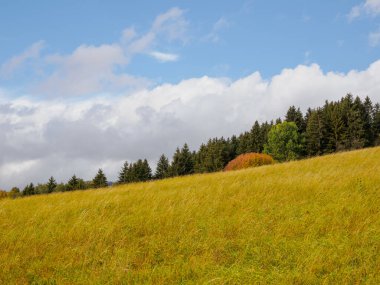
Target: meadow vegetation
314, 221
249, 160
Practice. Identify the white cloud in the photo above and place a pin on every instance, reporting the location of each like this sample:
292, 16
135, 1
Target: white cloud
63, 137
369, 7
372, 6
89, 69
8, 68
128, 35
164, 57
354, 13
92, 69
374, 38
172, 24
221, 24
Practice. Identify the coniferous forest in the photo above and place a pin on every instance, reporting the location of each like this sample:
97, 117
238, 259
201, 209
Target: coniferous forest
348, 124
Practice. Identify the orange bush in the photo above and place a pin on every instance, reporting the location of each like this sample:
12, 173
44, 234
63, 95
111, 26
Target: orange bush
249, 160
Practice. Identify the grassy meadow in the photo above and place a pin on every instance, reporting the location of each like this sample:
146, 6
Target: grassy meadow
314, 221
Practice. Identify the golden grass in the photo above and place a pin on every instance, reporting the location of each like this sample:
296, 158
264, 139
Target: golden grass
314, 221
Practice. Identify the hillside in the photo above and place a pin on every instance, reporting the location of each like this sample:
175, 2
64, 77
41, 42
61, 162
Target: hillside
303, 222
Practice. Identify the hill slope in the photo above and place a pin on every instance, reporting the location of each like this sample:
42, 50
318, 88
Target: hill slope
301, 222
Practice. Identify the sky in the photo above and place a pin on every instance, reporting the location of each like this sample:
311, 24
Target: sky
89, 84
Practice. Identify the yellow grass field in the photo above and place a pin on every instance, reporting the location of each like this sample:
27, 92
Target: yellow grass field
315, 221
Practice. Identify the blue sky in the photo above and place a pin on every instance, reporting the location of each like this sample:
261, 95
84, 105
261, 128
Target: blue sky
221, 38
89, 84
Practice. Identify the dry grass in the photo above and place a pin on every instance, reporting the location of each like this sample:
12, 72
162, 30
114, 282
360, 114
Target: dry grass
315, 221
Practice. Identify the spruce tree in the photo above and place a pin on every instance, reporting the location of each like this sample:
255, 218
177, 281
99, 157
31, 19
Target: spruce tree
138, 171
182, 163
256, 142
244, 143
51, 185
354, 135
124, 174
335, 128
376, 124
187, 166
29, 190
162, 170
72, 184
368, 119
295, 115
100, 180
146, 171
315, 133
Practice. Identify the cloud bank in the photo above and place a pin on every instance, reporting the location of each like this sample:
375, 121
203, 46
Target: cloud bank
60, 137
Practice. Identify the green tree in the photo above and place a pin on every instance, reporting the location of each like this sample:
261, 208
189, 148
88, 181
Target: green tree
182, 163
354, 135
14, 193
124, 174
100, 180
51, 185
295, 115
72, 184
41, 189
29, 190
244, 143
315, 133
162, 169
368, 119
60, 187
142, 170
376, 124
256, 143
335, 128
284, 142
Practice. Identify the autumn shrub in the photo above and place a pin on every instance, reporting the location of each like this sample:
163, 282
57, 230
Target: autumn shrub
247, 160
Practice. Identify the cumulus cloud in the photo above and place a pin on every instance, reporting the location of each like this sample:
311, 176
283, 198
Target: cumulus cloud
9, 67
61, 137
369, 7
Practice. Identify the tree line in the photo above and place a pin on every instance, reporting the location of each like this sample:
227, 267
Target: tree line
347, 124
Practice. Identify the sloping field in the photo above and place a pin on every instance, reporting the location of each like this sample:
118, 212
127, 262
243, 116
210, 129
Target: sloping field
307, 222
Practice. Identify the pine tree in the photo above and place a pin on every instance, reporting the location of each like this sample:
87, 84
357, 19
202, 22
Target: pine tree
100, 180
354, 135
51, 185
368, 119
138, 171
182, 163
29, 190
255, 142
315, 133
295, 115
376, 124
146, 171
334, 123
162, 170
232, 145
244, 143
124, 174
72, 184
